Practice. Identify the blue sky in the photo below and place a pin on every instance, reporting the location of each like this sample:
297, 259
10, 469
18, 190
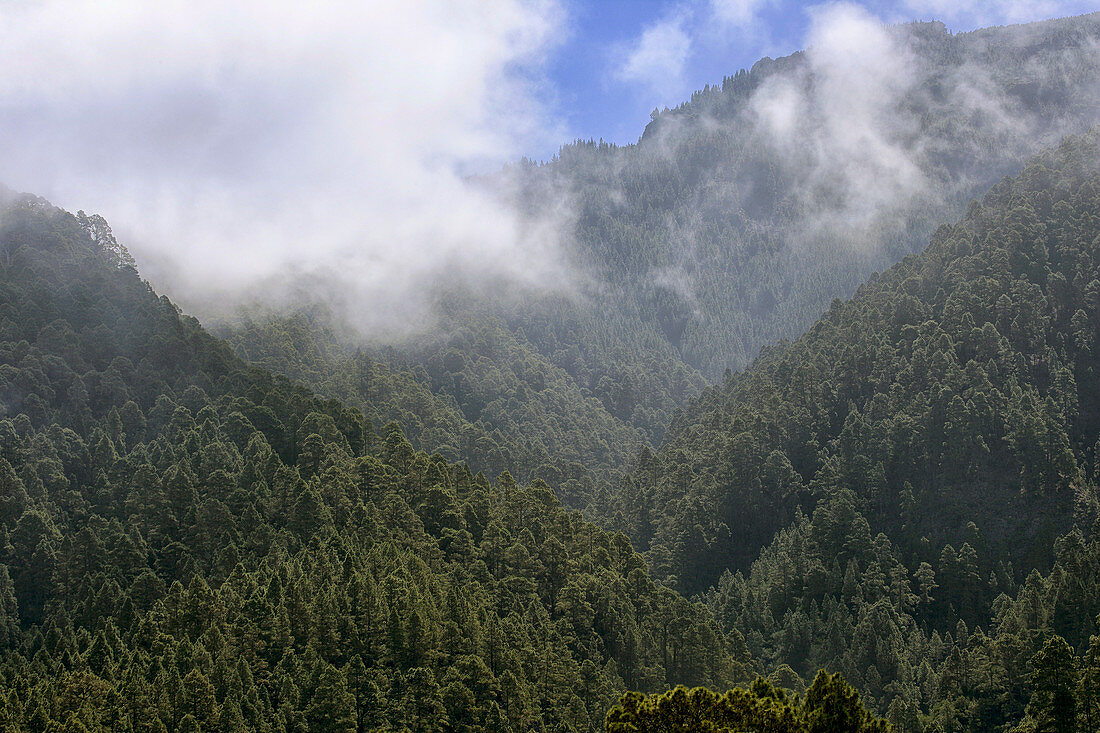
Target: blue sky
678, 47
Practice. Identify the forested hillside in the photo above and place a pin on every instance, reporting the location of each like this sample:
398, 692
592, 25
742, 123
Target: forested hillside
488, 399
189, 543
888, 512
714, 236
916, 455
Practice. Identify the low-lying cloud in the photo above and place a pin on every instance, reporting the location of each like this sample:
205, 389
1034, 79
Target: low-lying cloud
866, 128
826, 165
976, 13
258, 149
836, 121
698, 32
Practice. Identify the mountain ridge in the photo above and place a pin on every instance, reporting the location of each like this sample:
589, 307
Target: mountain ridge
704, 247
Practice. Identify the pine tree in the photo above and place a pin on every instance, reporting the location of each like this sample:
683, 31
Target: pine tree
332, 707
1054, 680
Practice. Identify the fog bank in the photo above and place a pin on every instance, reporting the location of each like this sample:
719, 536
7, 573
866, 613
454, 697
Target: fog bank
273, 150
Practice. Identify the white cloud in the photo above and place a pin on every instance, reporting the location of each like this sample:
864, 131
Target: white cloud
737, 14
233, 144
836, 121
657, 58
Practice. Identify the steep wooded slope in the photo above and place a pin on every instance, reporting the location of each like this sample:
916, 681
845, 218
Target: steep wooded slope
958, 387
189, 543
724, 233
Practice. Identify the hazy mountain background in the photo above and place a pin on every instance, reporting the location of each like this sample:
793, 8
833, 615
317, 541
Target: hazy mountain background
733, 222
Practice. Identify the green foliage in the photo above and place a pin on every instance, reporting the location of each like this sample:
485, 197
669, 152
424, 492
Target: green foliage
1054, 677
189, 543
952, 386
829, 706
486, 397
931, 453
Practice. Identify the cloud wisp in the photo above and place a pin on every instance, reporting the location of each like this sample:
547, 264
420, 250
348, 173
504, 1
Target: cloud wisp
867, 127
657, 57
699, 41
259, 149
836, 121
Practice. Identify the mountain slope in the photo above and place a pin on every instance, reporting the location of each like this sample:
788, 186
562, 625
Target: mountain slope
711, 211
189, 543
957, 387
932, 644
880, 496
720, 232
484, 397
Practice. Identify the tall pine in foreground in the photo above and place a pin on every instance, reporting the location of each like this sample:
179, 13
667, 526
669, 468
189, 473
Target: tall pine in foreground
830, 705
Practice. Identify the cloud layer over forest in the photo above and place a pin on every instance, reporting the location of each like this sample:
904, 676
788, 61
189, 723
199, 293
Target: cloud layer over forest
276, 151
237, 147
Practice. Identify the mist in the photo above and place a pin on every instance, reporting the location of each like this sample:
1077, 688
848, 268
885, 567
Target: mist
273, 156
850, 125
279, 153
797, 180
836, 120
